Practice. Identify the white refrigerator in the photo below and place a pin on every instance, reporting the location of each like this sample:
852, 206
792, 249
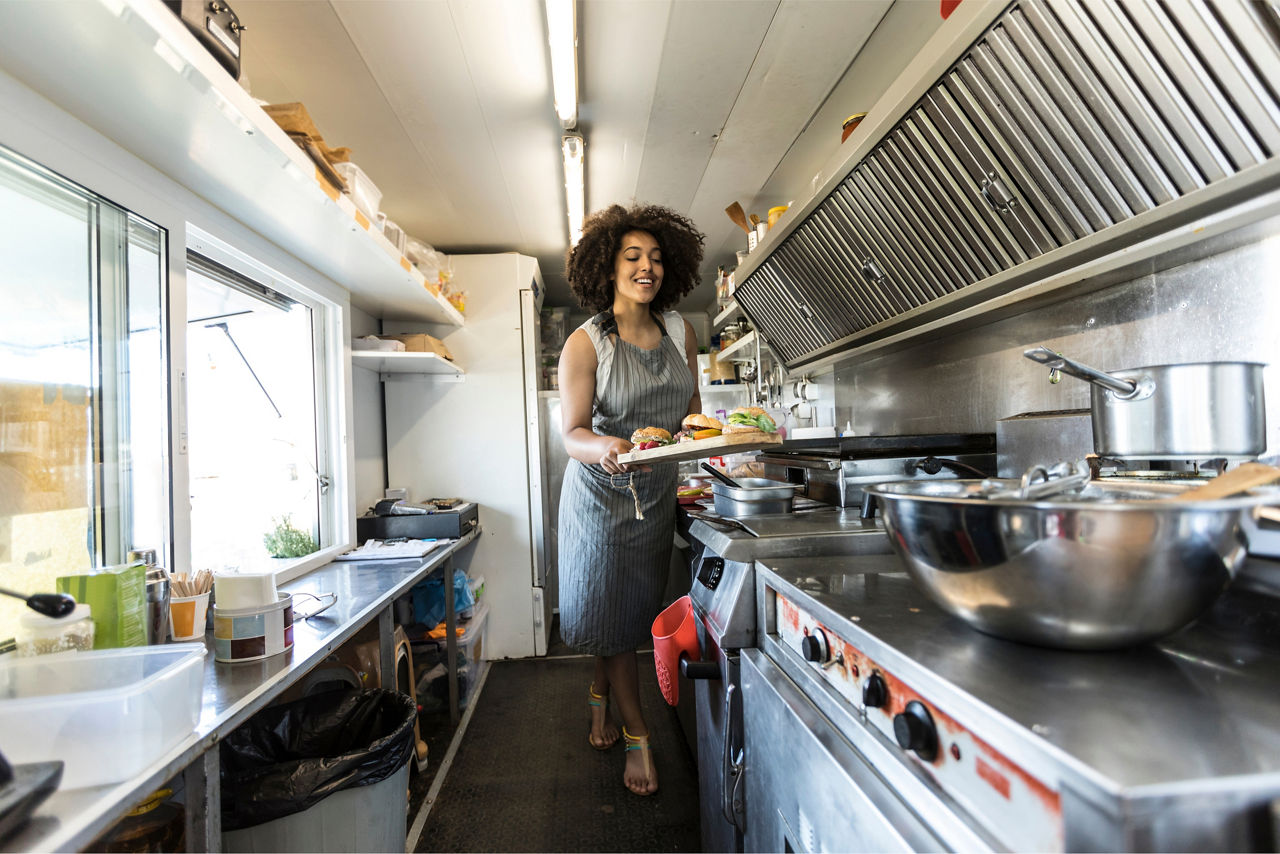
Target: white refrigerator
481, 438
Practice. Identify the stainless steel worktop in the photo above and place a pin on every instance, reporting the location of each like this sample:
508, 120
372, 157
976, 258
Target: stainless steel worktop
821, 529
71, 819
1202, 703
1148, 737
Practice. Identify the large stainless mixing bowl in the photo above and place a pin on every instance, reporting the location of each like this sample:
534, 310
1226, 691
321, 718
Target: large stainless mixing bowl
1110, 566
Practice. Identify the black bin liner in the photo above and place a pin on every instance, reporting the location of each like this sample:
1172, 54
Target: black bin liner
287, 758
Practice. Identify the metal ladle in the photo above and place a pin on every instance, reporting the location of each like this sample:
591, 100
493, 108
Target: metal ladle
49, 604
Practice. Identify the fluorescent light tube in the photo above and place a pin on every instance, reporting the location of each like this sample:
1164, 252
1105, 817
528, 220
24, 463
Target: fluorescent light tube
574, 190
563, 36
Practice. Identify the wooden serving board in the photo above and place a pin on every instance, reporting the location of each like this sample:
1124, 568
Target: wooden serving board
699, 449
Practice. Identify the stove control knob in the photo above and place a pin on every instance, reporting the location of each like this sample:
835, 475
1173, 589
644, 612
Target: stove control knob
814, 646
914, 730
874, 692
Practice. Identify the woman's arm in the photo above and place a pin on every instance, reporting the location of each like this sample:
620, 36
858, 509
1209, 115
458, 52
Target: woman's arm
691, 353
577, 374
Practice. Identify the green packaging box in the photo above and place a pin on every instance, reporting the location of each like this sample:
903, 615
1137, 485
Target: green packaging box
117, 598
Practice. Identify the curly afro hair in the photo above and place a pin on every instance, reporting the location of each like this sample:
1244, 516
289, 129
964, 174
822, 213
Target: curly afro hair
589, 265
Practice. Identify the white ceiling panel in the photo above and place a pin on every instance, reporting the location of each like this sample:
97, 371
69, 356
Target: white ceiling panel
697, 87
620, 50
447, 106
416, 54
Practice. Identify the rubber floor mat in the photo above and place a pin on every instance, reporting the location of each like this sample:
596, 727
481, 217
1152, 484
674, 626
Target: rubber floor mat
525, 778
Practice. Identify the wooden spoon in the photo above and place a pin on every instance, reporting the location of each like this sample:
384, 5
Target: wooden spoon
755, 220
739, 217
1242, 477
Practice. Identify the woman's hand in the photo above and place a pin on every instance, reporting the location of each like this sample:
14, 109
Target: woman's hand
609, 459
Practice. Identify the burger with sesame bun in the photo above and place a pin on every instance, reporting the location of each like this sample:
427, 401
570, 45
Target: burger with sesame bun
749, 419
698, 426
650, 437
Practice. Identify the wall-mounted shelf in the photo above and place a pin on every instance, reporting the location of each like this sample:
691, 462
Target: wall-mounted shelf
131, 55
386, 363
722, 319
742, 350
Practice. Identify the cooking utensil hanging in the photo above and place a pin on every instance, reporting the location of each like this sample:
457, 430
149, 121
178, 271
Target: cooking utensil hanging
1192, 411
739, 216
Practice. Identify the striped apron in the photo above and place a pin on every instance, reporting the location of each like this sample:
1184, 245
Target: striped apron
613, 566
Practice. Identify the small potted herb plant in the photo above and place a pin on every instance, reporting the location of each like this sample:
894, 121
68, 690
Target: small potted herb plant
287, 541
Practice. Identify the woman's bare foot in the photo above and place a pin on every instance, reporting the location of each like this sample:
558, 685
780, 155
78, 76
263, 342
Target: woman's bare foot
639, 775
604, 732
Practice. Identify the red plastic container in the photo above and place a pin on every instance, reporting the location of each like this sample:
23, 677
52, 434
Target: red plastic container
675, 635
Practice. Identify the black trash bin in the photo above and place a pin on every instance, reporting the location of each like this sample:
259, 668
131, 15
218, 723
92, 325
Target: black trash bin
328, 772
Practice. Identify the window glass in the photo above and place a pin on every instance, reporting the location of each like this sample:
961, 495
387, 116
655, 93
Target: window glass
252, 415
148, 409
68, 262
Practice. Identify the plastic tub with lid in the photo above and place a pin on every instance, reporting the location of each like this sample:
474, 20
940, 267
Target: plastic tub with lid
107, 714
41, 635
364, 193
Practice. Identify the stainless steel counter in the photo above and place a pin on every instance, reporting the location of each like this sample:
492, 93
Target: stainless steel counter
1174, 735
70, 820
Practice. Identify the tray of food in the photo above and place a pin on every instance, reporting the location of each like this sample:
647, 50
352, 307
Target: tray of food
748, 428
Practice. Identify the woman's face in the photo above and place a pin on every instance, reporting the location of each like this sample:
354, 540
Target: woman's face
637, 268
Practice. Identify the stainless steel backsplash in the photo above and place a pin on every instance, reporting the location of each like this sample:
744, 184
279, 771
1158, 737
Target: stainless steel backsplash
1222, 308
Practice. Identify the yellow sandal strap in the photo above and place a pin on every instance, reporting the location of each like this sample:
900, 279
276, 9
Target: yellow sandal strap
636, 742
594, 699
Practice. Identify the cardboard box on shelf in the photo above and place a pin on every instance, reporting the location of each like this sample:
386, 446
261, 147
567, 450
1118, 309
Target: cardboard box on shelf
419, 342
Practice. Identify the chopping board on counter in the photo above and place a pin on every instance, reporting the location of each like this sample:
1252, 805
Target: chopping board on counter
701, 449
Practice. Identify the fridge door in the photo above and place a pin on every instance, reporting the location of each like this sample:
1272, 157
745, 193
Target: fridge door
531, 354
554, 461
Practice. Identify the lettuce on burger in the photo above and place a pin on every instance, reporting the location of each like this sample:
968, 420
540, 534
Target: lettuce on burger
650, 437
749, 419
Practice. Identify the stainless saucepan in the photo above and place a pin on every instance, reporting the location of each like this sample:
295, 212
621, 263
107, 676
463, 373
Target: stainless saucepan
1197, 410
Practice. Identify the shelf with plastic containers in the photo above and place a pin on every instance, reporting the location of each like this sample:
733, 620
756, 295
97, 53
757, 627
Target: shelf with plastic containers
247, 164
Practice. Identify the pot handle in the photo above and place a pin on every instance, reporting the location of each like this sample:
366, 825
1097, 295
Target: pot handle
1061, 364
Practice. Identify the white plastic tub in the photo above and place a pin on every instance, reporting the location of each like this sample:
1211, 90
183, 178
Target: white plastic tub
107, 714
364, 192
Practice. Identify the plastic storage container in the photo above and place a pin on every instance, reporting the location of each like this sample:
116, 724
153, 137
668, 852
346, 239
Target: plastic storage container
107, 714
363, 192
41, 635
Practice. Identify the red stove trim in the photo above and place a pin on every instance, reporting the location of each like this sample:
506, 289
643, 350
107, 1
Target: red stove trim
1051, 799
998, 781
993, 768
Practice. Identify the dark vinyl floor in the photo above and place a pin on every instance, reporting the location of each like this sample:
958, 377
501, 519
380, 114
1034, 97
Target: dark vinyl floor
525, 779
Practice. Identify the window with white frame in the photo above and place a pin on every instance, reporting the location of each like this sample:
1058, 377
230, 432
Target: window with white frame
258, 427
83, 399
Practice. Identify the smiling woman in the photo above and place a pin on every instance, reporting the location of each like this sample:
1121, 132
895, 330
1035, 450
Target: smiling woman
627, 372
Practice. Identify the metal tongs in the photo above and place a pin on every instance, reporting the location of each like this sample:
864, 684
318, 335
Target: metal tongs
1039, 482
